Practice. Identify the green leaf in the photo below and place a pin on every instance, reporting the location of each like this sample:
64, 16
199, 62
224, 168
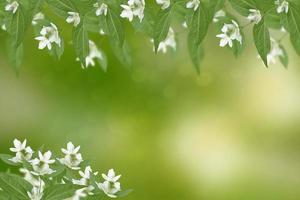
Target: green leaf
124, 193
122, 53
114, 26
243, 6
81, 42
17, 26
293, 19
262, 40
15, 185
15, 55
62, 7
60, 191
196, 54
6, 158
162, 25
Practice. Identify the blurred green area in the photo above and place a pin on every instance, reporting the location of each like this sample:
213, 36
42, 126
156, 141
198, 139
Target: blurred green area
230, 133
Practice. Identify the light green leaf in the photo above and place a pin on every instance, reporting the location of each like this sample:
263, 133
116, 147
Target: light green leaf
15, 186
293, 20
81, 42
262, 40
243, 6
17, 26
15, 55
6, 158
115, 28
60, 191
124, 193
122, 53
62, 7
162, 25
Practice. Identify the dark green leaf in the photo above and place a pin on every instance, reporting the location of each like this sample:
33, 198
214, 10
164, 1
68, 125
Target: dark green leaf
81, 42
60, 191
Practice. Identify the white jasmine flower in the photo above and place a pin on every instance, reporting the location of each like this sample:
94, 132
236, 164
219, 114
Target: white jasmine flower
168, 42
254, 16
218, 14
230, 33
282, 6
133, 8
101, 10
110, 188
193, 4
3, 27
94, 53
41, 165
72, 158
35, 194
85, 176
101, 32
111, 176
73, 18
49, 35
22, 152
275, 52
164, 3
12, 6
184, 24
37, 17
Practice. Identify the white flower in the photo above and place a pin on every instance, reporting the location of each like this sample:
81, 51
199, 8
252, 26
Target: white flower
110, 188
101, 10
111, 176
31, 179
193, 4
164, 3
111, 185
49, 35
254, 16
12, 6
37, 17
41, 165
22, 152
184, 24
3, 27
282, 6
218, 14
275, 52
230, 33
73, 18
85, 176
133, 8
168, 42
94, 53
72, 158
35, 194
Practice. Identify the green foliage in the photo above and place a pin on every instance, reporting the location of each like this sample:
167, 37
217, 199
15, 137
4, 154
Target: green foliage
90, 17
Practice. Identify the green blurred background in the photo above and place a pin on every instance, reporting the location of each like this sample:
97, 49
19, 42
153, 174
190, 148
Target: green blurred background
230, 133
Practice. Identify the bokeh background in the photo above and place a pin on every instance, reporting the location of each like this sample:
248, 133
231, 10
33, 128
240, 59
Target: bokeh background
232, 132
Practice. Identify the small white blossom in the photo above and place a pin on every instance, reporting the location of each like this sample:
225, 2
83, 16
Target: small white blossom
111, 185
164, 3
31, 179
230, 33
254, 16
73, 18
49, 35
41, 165
193, 4
22, 152
37, 17
35, 194
282, 6
12, 6
218, 14
275, 52
101, 10
85, 176
133, 8
3, 27
72, 158
168, 42
94, 53
184, 24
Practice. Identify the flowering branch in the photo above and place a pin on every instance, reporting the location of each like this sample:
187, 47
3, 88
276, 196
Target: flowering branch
106, 18
45, 178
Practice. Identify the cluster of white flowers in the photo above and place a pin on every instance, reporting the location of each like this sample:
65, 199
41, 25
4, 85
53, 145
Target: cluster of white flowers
12, 6
282, 6
133, 8
230, 32
49, 35
41, 166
